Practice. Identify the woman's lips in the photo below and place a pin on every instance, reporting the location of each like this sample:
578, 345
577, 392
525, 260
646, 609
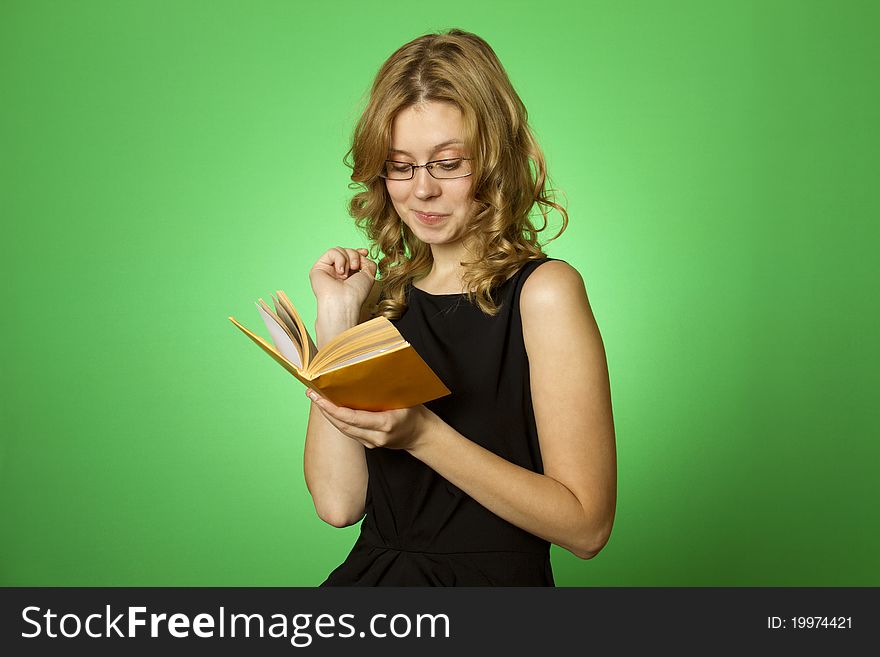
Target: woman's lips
429, 219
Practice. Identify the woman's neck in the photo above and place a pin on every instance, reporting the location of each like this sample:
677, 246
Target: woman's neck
446, 272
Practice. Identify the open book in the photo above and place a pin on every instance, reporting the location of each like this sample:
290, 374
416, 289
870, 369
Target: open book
368, 367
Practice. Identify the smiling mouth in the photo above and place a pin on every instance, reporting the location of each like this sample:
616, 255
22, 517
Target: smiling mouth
429, 219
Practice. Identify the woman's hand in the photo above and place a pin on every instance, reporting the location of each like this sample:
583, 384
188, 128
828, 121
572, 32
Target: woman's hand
343, 277
402, 428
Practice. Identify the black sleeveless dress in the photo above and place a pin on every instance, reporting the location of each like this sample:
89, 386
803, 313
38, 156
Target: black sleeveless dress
419, 529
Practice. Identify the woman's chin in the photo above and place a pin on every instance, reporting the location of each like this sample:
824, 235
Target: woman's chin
437, 238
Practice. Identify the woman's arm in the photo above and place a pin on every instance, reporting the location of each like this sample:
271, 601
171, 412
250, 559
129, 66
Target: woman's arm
573, 503
334, 466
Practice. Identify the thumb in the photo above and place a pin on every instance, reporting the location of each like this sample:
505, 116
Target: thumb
369, 267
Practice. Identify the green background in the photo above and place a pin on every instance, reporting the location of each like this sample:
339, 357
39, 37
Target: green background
166, 163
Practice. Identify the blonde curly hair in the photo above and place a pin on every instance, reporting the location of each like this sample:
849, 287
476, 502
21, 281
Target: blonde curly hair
509, 172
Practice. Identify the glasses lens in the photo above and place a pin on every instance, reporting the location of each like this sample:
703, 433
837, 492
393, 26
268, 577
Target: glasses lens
456, 168
453, 168
398, 171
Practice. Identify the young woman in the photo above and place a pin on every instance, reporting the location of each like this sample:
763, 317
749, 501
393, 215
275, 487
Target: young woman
470, 489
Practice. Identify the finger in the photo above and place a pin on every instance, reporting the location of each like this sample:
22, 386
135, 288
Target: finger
340, 260
336, 423
355, 433
368, 420
369, 267
366, 435
328, 408
354, 258
333, 261
332, 410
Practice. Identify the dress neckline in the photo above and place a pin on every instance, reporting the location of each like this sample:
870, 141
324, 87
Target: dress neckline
431, 294
450, 295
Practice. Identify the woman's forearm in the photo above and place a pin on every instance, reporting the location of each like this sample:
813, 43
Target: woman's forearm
533, 502
335, 470
334, 465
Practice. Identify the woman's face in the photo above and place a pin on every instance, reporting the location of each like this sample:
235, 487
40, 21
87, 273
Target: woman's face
422, 134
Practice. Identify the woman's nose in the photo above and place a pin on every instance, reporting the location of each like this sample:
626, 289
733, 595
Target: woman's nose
426, 185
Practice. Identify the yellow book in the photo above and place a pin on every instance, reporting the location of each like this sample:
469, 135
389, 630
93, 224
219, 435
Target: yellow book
368, 367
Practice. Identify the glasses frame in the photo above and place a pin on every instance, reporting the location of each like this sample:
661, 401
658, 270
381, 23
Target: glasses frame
427, 166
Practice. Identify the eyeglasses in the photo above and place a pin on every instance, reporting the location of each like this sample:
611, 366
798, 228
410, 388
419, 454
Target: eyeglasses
457, 167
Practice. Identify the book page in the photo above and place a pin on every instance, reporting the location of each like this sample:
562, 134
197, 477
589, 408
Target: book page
356, 348
364, 356
285, 317
311, 351
283, 342
376, 333
282, 324
273, 352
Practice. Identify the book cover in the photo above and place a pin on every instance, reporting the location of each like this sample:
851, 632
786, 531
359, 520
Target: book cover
368, 367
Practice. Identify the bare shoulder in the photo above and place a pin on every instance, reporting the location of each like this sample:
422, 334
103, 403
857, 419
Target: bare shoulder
556, 312
553, 286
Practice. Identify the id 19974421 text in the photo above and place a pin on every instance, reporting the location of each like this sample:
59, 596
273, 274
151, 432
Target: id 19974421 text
809, 623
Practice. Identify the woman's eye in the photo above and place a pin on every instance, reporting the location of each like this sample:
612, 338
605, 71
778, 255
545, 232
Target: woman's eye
450, 165
400, 168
